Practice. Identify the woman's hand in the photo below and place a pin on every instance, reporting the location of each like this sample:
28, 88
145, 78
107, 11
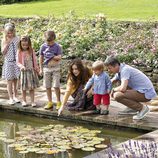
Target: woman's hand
60, 110
90, 93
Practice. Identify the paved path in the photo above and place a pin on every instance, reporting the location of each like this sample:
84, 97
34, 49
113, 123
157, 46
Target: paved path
148, 123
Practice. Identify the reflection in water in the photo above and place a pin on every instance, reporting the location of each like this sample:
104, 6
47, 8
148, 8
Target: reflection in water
12, 123
10, 130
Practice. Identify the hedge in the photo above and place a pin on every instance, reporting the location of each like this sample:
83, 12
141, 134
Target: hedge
13, 1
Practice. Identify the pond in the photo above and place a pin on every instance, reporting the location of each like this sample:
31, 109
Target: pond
12, 124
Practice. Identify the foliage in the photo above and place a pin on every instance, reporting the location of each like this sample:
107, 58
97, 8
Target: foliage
92, 39
12, 1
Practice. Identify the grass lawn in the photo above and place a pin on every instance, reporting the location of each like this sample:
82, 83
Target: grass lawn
114, 9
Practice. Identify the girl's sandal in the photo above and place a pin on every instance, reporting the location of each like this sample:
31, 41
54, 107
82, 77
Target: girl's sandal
33, 105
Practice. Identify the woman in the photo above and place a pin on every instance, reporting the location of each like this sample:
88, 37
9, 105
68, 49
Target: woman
77, 78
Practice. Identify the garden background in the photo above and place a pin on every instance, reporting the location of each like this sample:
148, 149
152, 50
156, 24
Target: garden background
91, 36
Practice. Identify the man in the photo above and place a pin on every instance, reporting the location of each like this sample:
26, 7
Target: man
135, 87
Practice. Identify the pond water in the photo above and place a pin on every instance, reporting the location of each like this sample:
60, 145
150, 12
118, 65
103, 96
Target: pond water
11, 123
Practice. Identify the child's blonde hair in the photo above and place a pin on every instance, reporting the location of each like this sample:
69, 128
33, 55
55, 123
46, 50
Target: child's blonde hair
98, 65
9, 27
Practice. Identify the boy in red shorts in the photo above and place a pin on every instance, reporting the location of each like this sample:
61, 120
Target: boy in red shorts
102, 88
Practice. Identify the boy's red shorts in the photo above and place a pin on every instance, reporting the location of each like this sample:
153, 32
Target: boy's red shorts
101, 99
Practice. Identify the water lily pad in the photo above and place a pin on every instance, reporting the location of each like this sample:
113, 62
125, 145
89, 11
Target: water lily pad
59, 126
24, 152
33, 149
40, 152
88, 149
52, 151
9, 140
101, 146
95, 131
78, 146
3, 138
11, 145
20, 148
66, 147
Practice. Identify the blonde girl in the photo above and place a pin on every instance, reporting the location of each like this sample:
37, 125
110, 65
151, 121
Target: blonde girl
28, 66
10, 70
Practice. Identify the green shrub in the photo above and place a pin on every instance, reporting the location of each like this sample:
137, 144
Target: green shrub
92, 39
13, 1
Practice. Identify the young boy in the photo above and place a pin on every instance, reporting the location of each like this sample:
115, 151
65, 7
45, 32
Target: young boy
50, 57
102, 88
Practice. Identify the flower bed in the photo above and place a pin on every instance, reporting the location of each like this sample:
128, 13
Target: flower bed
92, 39
134, 42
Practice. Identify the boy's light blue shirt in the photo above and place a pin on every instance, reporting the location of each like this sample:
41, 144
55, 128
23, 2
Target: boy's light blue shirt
137, 80
101, 83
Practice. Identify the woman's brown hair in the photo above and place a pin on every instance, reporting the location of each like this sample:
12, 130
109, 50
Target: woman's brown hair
83, 76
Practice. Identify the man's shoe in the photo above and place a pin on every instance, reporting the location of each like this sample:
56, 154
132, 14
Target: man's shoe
142, 113
58, 105
49, 105
128, 111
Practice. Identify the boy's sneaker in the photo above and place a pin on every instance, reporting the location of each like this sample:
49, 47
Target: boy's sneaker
128, 111
142, 113
96, 111
16, 100
49, 105
11, 102
58, 105
23, 103
104, 112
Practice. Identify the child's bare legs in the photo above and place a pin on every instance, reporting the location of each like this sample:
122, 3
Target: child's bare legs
104, 107
24, 98
32, 96
97, 102
49, 94
9, 89
57, 92
24, 95
15, 81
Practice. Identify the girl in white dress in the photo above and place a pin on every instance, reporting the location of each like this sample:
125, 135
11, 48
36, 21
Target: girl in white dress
10, 70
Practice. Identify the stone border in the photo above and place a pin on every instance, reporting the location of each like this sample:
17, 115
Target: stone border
76, 116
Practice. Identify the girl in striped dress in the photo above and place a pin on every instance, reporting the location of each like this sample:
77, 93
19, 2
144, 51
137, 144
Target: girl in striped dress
10, 70
28, 66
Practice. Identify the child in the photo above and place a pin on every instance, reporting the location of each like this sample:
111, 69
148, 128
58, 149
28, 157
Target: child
102, 87
29, 68
50, 57
10, 70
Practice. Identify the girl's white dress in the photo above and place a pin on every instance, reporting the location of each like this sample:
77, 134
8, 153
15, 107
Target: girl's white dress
10, 70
